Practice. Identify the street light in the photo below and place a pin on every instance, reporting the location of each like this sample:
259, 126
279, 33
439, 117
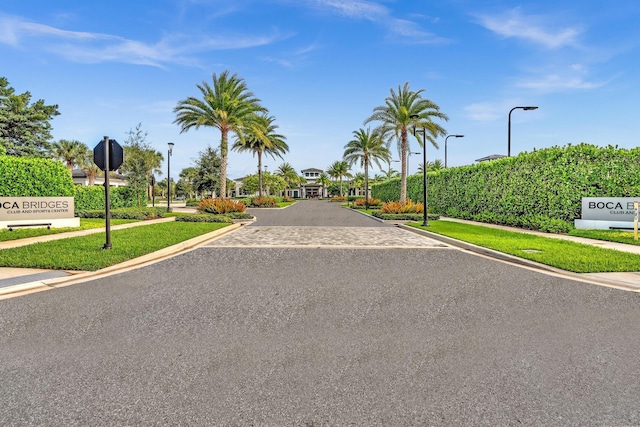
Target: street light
171, 144
425, 219
509, 135
445, 147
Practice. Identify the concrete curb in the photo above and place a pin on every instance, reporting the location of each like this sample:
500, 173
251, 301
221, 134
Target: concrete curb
59, 282
602, 281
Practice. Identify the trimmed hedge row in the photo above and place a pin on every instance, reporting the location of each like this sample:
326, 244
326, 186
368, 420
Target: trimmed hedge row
34, 177
92, 198
125, 213
547, 183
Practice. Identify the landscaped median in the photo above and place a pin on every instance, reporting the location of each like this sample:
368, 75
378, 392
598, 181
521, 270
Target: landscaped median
562, 254
85, 253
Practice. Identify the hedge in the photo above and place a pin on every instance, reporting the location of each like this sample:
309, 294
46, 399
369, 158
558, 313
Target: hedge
92, 198
547, 183
34, 177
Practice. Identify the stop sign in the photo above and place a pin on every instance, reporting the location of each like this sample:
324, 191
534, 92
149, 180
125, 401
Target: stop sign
116, 155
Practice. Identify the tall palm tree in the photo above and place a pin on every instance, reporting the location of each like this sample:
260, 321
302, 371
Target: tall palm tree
228, 106
366, 148
260, 137
289, 174
70, 152
338, 170
395, 117
324, 181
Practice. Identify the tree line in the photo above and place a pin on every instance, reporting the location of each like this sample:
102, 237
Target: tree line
228, 106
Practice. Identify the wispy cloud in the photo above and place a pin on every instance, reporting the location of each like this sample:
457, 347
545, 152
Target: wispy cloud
574, 78
292, 60
532, 28
86, 47
406, 30
492, 111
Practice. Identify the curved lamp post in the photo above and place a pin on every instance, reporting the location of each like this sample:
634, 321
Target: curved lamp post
445, 147
425, 219
509, 133
171, 144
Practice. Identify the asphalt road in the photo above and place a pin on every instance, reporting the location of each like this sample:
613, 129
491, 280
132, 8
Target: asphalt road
310, 336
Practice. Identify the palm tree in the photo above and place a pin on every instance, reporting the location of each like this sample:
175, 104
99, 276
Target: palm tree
227, 106
84, 160
289, 174
396, 117
366, 147
324, 181
69, 152
337, 170
434, 166
260, 137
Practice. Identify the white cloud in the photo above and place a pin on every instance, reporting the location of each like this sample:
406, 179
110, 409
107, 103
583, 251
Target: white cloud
409, 31
79, 46
492, 111
532, 28
484, 112
555, 83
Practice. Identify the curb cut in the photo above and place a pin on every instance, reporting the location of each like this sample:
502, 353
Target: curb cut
59, 282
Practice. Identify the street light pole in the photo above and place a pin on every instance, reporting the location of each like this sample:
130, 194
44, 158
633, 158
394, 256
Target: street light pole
171, 144
509, 129
425, 219
445, 147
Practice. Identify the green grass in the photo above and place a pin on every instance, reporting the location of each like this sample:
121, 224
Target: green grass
608, 235
85, 253
562, 254
284, 204
85, 224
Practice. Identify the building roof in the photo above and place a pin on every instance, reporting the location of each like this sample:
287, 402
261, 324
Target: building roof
490, 157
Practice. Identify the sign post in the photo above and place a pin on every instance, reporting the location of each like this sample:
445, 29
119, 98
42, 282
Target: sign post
108, 156
635, 220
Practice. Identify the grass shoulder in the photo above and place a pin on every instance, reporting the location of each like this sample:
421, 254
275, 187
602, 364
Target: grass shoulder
562, 254
85, 224
85, 253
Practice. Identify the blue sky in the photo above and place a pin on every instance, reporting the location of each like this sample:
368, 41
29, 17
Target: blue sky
321, 66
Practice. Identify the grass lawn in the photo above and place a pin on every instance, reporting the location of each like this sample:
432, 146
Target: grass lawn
85, 224
85, 253
562, 254
608, 235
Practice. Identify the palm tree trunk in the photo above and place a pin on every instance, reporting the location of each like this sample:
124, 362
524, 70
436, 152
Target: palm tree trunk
259, 173
224, 150
403, 172
366, 184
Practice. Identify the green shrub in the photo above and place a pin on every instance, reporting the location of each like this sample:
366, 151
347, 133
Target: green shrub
92, 197
541, 189
404, 216
34, 177
205, 217
125, 213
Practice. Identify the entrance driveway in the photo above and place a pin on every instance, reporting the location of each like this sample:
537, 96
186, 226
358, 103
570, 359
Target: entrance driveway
295, 333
